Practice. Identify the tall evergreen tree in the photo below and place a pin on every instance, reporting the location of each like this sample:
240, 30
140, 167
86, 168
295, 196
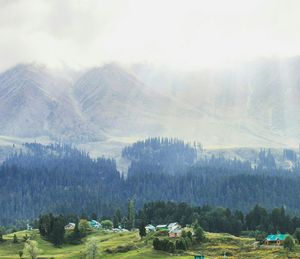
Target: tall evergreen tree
58, 231
117, 218
130, 215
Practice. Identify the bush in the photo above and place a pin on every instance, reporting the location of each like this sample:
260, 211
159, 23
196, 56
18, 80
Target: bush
107, 224
289, 243
15, 239
199, 234
189, 235
163, 245
181, 244
25, 238
120, 249
188, 242
84, 227
297, 234
260, 237
170, 247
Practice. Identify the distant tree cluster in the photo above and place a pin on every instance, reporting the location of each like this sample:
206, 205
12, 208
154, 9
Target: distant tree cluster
221, 219
169, 155
52, 228
183, 243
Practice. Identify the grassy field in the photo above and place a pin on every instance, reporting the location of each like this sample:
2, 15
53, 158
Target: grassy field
109, 243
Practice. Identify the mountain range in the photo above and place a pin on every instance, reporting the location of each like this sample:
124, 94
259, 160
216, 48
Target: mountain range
249, 104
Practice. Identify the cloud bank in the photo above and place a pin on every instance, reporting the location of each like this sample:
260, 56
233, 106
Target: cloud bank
181, 34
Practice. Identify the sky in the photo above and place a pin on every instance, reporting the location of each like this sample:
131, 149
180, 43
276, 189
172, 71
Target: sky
185, 34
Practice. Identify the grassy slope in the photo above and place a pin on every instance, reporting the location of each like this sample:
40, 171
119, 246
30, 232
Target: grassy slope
216, 245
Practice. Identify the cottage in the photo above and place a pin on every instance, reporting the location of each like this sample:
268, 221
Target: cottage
29, 228
174, 229
173, 225
70, 226
175, 232
150, 228
95, 224
277, 239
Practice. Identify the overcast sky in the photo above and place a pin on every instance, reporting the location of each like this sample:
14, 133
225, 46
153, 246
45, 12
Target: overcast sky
183, 34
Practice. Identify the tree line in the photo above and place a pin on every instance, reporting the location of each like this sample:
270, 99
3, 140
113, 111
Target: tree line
61, 179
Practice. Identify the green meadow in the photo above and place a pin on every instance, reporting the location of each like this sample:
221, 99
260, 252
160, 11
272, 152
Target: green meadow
130, 245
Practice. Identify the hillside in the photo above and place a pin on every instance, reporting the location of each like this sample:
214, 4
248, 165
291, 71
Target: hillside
35, 103
252, 104
38, 178
214, 247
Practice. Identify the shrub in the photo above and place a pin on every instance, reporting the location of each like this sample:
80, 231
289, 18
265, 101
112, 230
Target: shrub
289, 243
25, 238
170, 247
188, 242
15, 239
189, 235
163, 245
199, 234
297, 234
107, 224
181, 244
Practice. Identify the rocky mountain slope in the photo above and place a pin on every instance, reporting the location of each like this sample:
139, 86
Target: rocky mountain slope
251, 104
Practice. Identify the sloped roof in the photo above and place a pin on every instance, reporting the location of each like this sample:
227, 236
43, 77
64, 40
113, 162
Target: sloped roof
161, 226
276, 237
173, 224
150, 226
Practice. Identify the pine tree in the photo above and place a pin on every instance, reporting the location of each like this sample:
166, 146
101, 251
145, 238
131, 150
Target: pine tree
199, 234
142, 229
15, 239
58, 231
1, 235
130, 215
76, 235
117, 218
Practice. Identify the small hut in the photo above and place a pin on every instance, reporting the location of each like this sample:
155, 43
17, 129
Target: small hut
277, 239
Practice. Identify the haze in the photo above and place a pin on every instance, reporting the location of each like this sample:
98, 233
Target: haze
179, 34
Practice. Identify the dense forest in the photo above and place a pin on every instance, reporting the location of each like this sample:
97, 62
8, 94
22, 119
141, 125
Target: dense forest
55, 178
59, 178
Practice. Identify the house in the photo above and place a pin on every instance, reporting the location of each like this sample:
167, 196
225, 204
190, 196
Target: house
29, 228
161, 227
173, 225
277, 239
95, 224
175, 232
150, 228
174, 229
70, 226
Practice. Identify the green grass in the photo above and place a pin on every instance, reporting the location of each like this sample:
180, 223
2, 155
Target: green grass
214, 247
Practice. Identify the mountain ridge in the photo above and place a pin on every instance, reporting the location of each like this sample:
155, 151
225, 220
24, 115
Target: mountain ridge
246, 105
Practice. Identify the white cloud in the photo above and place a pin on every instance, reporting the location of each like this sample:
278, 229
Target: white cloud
185, 34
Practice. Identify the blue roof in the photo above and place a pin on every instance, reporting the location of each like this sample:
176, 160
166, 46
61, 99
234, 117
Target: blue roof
276, 237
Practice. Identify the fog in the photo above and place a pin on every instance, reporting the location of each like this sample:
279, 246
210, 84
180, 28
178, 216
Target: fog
179, 34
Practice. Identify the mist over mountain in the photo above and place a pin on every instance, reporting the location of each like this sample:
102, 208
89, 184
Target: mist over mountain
250, 104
